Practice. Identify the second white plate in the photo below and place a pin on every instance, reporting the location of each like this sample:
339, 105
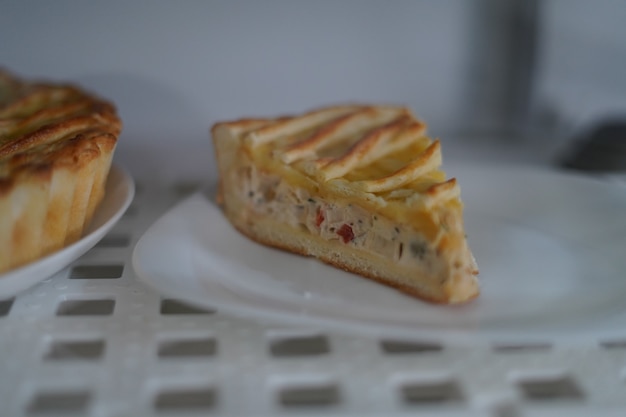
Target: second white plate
551, 248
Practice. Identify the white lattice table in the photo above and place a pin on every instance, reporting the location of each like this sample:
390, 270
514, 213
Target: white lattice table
94, 341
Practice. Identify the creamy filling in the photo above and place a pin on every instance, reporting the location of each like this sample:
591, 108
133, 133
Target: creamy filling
349, 224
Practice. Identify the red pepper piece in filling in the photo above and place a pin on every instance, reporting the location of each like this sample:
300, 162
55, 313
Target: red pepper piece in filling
319, 217
346, 233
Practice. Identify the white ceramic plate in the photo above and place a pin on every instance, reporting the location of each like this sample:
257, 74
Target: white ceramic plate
551, 248
119, 193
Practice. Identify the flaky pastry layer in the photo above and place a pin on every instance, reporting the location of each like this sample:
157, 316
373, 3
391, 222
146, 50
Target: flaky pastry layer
56, 146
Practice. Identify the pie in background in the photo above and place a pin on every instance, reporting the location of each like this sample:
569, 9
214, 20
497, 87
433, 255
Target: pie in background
56, 146
358, 187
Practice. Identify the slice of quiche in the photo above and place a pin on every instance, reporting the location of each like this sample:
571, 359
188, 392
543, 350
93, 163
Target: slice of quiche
358, 187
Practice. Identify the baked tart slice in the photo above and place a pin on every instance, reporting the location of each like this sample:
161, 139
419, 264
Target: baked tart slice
56, 146
358, 187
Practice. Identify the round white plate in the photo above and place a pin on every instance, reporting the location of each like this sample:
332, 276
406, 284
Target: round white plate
119, 193
551, 248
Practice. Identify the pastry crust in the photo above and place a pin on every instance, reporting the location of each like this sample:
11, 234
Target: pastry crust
358, 187
56, 146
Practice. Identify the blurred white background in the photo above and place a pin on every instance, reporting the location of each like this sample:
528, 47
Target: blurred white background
471, 69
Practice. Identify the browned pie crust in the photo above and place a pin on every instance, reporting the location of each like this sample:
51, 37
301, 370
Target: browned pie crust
56, 146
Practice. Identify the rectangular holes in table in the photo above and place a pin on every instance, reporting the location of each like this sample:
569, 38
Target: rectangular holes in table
395, 347
187, 347
71, 350
59, 403
114, 241
97, 272
5, 307
614, 344
291, 345
425, 391
185, 399
312, 394
549, 388
522, 347
86, 307
175, 307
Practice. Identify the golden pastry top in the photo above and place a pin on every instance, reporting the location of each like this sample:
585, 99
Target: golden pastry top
380, 153
45, 124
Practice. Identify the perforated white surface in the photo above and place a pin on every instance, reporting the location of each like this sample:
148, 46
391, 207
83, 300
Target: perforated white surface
94, 341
